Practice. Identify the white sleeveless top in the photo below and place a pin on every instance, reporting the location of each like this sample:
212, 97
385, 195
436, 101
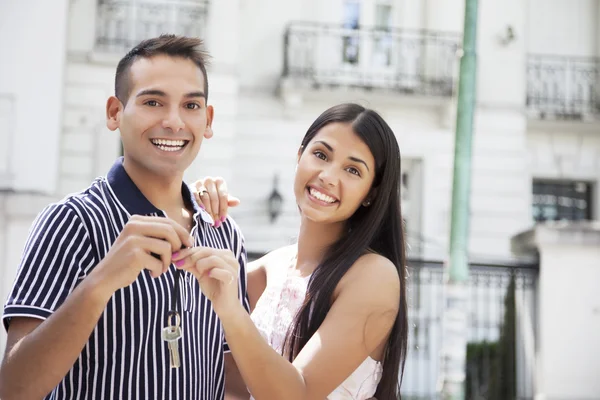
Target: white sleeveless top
275, 312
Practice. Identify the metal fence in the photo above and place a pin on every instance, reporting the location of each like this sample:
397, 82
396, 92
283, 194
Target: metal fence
502, 330
407, 61
489, 318
563, 87
120, 25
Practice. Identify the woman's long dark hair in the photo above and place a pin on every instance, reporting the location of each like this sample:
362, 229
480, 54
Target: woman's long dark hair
378, 228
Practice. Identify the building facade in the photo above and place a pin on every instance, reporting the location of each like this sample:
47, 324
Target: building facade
277, 65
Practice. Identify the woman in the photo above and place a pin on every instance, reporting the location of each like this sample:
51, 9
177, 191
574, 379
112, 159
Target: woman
329, 313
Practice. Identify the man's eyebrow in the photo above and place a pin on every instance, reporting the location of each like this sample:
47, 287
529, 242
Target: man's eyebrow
160, 93
151, 92
195, 94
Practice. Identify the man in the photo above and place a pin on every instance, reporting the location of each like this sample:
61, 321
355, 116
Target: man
96, 287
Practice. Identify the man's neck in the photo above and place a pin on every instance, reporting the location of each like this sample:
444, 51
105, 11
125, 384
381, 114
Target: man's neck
163, 192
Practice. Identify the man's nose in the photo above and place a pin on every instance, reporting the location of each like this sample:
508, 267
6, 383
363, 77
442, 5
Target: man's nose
173, 121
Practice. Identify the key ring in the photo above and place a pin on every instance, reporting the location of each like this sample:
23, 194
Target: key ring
175, 314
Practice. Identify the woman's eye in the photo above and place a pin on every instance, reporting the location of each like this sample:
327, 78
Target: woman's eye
320, 155
354, 171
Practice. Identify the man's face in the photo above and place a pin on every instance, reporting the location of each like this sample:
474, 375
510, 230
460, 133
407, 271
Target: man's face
166, 117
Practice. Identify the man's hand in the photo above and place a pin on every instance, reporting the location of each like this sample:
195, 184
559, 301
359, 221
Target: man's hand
145, 243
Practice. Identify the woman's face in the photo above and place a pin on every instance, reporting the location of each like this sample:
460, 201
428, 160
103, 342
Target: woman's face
334, 175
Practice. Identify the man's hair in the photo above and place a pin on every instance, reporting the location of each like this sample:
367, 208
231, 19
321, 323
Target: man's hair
171, 45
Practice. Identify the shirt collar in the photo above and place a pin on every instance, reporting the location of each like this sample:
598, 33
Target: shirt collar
134, 200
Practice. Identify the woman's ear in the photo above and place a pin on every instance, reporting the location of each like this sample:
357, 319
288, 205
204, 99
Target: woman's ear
300, 151
370, 197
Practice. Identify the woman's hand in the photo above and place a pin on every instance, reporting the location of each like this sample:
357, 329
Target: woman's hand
211, 194
217, 272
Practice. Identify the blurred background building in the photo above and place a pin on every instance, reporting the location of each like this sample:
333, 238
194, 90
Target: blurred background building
276, 66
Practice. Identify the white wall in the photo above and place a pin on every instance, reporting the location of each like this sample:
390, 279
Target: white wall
563, 27
261, 40
569, 309
7, 132
443, 15
33, 41
17, 212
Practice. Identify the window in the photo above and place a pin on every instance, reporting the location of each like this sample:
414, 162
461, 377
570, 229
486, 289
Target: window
382, 52
121, 24
561, 201
351, 22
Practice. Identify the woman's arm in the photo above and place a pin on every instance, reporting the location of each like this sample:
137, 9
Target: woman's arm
359, 322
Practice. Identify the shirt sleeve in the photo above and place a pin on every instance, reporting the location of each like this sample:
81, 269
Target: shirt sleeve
57, 252
239, 249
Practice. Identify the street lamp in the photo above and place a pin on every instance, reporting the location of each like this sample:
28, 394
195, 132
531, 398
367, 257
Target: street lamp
275, 201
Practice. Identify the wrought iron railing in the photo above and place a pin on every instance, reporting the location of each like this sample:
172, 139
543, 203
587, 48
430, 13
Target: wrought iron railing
496, 310
502, 330
561, 87
409, 61
122, 24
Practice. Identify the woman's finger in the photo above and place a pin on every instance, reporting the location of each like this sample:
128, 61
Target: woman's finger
222, 275
223, 198
233, 201
205, 264
213, 201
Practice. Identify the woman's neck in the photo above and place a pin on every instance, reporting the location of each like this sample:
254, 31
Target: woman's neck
313, 241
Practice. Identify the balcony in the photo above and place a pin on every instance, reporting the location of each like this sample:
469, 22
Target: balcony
394, 60
563, 88
121, 25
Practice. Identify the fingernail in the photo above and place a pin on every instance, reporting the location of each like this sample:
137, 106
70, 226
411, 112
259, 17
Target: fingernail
217, 224
175, 254
202, 206
179, 263
223, 219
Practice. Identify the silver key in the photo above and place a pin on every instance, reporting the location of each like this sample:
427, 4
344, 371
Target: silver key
171, 334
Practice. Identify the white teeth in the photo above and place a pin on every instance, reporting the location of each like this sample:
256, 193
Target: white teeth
168, 145
321, 196
165, 148
164, 142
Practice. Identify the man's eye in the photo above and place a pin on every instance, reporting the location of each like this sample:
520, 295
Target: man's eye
193, 106
152, 103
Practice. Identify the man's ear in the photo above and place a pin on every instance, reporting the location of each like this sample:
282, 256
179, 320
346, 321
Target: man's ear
210, 113
114, 109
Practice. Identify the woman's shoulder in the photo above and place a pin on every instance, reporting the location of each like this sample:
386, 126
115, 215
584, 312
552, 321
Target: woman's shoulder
273, 258
375, 277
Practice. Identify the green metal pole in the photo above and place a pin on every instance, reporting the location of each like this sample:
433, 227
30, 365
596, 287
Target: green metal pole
461, 186
455, 315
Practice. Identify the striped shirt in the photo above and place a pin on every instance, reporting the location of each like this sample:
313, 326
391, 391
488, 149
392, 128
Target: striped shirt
125, 357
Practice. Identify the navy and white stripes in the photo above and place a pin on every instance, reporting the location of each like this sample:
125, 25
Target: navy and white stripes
125, 357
